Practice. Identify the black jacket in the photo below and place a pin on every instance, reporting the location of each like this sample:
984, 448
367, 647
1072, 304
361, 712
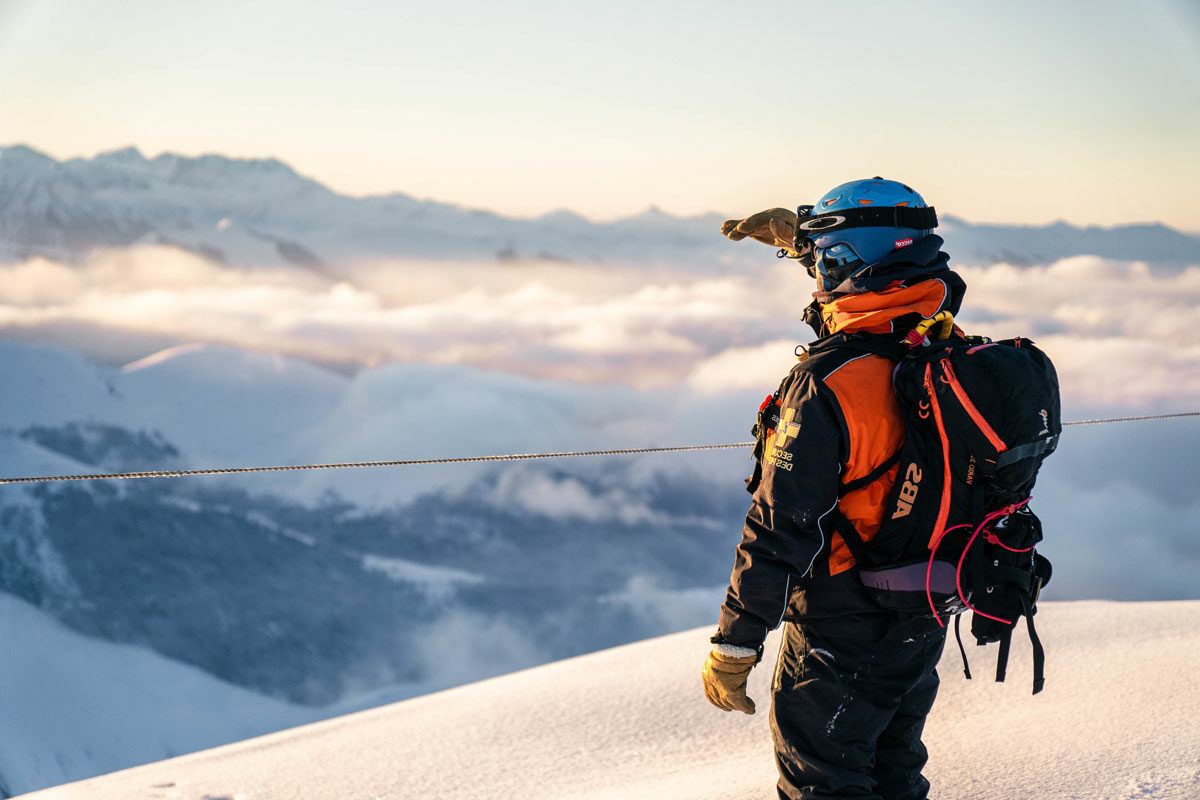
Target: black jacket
839, 423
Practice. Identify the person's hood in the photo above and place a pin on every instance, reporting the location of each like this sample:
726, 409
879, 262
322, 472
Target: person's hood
892, 295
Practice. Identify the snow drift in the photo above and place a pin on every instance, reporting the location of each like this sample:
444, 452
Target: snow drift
1117, 720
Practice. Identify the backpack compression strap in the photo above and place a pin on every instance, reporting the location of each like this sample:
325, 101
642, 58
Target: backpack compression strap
1027, 450
1039, 656
1029, 586
961, 650
1039, 652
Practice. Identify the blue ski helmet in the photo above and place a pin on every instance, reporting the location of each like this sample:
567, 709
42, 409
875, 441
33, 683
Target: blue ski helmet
858, 224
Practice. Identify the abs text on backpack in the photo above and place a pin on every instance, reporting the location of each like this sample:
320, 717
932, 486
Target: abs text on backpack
958, 533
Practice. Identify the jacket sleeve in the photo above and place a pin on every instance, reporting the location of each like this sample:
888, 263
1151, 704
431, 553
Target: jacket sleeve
783, 537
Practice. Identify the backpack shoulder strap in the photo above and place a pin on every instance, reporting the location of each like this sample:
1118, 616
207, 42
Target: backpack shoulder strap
874, 343
850, 534
870, 477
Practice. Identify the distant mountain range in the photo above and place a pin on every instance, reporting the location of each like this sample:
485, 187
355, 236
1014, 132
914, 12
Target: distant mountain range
261, 212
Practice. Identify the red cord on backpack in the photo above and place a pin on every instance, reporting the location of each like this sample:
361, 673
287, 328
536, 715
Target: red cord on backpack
991, 537
962, 559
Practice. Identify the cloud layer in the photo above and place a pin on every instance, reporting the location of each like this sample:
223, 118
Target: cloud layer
1121, 335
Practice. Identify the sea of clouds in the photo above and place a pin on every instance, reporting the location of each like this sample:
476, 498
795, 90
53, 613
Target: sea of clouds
1122, 336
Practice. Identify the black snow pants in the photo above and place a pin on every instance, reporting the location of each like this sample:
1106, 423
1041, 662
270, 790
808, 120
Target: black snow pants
847, 715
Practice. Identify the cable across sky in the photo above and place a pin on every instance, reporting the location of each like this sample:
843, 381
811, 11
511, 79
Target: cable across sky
187, 473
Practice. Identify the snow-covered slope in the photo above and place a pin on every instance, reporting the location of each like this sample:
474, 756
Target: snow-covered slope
1117, 721
260, 212
74, 706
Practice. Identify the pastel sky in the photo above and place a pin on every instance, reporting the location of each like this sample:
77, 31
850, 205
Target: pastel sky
1007, 112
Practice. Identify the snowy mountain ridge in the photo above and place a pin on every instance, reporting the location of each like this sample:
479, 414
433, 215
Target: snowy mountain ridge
261, 212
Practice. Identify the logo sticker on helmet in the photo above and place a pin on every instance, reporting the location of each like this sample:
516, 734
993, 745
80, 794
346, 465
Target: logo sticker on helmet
823, 222
903, 243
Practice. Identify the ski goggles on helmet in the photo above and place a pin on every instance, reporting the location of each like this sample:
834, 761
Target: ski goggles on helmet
811, 226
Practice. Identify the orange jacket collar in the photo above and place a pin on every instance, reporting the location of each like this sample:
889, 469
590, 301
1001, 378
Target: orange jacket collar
875, 312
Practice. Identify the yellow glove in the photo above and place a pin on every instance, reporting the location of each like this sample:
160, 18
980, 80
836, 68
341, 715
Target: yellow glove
775, 226
724, 675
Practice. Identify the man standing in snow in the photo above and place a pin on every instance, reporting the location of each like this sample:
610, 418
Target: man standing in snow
853, 683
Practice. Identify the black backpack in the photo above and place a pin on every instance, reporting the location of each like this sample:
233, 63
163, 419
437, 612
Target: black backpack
958, 534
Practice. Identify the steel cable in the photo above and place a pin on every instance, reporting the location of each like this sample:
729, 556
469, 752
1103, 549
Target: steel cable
183, 473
